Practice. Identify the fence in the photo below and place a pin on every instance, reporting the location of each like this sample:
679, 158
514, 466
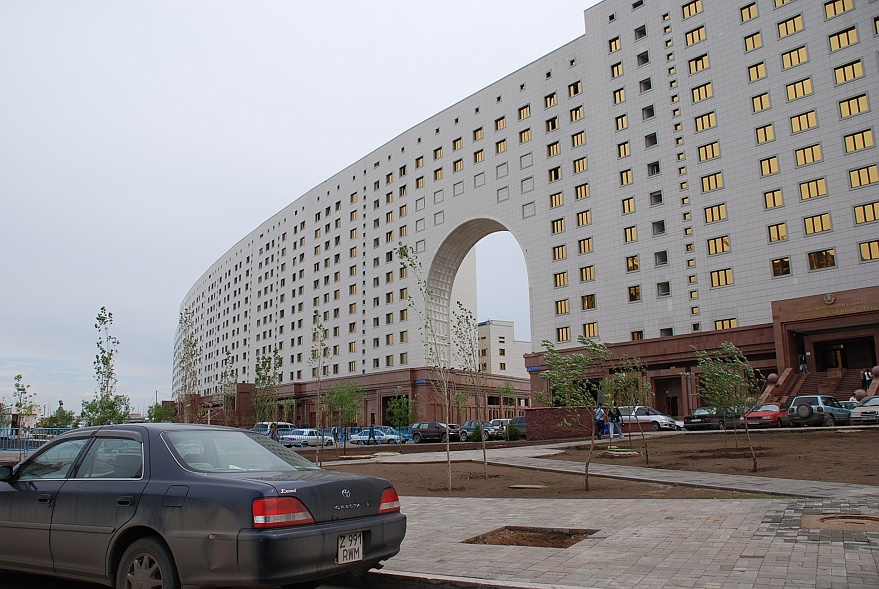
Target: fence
25, 439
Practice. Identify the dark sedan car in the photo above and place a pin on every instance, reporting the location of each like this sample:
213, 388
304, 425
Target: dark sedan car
712, 418
434, 431
171, 505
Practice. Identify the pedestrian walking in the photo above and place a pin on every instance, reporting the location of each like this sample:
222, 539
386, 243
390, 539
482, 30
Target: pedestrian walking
615, 420
804, 368
600, 416
866, 379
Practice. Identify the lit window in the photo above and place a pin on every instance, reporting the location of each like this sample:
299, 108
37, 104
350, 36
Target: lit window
850, 71
721, 277
552, 124
773, 199
560, 252
794, 57
754, 41
813, 188
867, 213
584, 246
578, 139
622, 122
790, 26
614, 45
524, 112
555, 174
553, 149
525, 136
582, 191
799, 89
563, 334
575, 88
853, 106
863, 176
587, 273
623, 150
562, 307
478, 156
760, 102
756, 71
722, 324
837, 7
556, 200
576, 113
869, 250
616, 70
590, 329
458, 165
808, 155
765, 133
500, 146
558, 226
709, 151
630, 234
478, 134
457, 144
584, 218
817, 224
500, 123
619, 95
706, 121
580, 165
628, 205
749, 12
712, 182
715, 213
625, 177
694, 36
632, 263
769, 166
718, 245
859, 140
691, 8
778, 232
437, 153
703, 92
560, 279
697, 64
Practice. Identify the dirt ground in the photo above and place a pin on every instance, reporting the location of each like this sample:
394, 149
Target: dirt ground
820, 454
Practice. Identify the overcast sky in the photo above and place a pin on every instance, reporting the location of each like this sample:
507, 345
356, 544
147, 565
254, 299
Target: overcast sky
140, 140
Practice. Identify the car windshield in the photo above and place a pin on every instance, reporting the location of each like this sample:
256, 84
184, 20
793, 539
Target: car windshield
232, 451
871, 402
704, 411
766, 407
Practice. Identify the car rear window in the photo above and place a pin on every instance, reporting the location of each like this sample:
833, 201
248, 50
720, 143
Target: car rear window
806, 401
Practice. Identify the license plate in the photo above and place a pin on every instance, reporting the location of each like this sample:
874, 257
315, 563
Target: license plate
350, 548
695, 421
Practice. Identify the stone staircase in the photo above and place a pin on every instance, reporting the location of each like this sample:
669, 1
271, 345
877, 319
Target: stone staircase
838, 383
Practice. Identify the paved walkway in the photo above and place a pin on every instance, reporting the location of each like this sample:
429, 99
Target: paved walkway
652, 544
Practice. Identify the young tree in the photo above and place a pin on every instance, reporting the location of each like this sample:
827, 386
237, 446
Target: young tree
569, 388
61, 418
265, 389
401, 410
344, 402
186, 357
320, 353
465, 336
23, 400
107, 406
727, 380
435, 337
228, 387
629, 386
161, 413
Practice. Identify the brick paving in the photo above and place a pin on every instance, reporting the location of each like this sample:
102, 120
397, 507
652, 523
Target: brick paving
649, 544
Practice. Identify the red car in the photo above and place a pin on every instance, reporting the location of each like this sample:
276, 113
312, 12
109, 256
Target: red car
767, 415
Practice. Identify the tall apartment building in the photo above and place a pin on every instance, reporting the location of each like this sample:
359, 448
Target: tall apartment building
499, 350
678, 172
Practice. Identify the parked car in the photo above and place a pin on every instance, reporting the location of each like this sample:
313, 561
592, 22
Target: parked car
817, 410
500, 424
306, 437
434, 431
264, 426
849, 404
469, 428
519, 423
171, 505
376, 434
867, 412
643, 414
766, 415
712, 418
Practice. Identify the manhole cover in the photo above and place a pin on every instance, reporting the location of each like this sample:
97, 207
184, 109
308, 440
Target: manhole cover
846, 522
537, 537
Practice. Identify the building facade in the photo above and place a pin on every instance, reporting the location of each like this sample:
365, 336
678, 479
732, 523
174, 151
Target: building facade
670, 176
499, 350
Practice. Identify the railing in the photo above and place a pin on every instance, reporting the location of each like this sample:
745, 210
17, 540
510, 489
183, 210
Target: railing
25, 439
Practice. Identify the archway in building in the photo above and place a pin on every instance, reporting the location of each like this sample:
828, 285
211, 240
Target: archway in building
444, 268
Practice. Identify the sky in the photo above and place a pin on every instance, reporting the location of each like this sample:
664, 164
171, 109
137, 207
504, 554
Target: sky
140, 140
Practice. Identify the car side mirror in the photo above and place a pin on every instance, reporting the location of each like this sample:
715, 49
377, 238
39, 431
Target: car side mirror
5, 473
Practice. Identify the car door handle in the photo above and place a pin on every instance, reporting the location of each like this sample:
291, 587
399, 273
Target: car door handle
124, 501
44, 498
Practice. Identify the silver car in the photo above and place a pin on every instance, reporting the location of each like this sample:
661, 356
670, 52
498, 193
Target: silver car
867, 412
648, 415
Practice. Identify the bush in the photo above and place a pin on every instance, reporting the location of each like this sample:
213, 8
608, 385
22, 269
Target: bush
512, 432
476, 436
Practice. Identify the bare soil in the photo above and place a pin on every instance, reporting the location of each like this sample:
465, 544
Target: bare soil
819, 454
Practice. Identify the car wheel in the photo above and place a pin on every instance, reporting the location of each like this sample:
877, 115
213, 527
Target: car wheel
829, 420
654, 426
778, 423
416, 438
804, 411
147, 563
721, 425
463, 436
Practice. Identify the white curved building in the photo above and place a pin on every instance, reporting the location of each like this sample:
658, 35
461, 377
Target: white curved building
674, 171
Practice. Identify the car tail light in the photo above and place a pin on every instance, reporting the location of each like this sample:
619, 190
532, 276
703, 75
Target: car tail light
276, 512
390, 501
819, 409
